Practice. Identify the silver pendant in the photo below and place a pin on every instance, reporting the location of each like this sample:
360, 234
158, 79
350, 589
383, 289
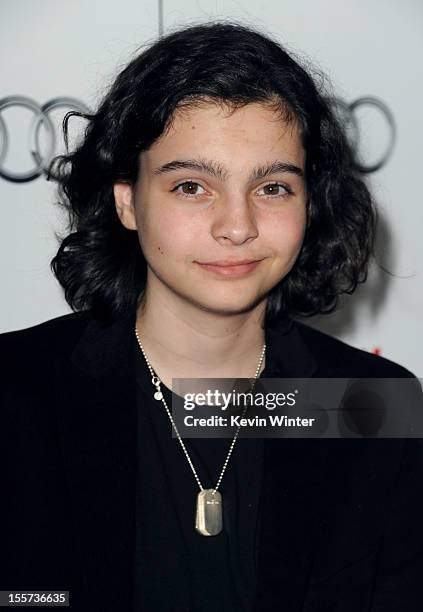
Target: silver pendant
208, 517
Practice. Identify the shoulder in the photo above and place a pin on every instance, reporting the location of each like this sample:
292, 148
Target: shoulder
66, 324
333, 355
33, 345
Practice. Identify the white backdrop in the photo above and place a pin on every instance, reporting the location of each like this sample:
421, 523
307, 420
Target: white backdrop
53, 48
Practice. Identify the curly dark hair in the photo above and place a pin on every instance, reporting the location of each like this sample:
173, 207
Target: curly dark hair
100, 263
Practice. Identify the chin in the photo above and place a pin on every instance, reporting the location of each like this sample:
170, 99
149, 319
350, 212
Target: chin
228, 305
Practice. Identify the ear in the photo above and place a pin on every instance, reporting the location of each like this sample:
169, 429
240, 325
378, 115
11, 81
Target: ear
124, 202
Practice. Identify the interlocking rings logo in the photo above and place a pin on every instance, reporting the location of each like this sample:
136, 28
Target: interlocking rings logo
41, 118
346, 112
347, 115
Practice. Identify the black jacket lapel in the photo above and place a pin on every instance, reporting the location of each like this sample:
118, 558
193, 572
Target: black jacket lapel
292, 471
98, 429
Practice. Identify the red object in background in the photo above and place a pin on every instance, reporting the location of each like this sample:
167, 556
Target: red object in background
377, 351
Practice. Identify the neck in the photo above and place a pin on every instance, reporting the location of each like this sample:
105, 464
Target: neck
183, 341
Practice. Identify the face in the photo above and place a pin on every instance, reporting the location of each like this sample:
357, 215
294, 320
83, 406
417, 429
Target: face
219, 187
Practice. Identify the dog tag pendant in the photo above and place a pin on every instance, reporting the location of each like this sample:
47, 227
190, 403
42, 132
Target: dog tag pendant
208, 518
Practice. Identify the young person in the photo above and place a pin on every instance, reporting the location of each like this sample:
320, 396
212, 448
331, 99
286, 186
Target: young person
213, 198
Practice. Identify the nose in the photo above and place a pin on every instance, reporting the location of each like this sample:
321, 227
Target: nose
234, 221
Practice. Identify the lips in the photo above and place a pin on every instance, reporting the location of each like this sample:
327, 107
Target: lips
226, 263
231, 269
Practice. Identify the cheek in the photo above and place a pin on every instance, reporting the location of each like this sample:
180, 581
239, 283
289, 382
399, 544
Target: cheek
298, 230
166, 236
288, 231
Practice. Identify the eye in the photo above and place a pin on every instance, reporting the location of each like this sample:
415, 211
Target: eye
189, 188
275, 190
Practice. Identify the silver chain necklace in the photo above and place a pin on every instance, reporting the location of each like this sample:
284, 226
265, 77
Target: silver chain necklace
208, 516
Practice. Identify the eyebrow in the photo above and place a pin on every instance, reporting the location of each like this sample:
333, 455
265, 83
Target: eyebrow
216, 170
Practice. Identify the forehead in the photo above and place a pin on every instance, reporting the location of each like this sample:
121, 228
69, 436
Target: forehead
250, 132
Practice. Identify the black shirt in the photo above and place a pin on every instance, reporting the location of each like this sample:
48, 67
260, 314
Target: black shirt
176, 568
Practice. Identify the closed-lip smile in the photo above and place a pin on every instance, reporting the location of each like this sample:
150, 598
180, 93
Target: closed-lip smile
229, 262
229, 268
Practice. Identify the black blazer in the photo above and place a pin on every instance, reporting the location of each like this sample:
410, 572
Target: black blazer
341, 520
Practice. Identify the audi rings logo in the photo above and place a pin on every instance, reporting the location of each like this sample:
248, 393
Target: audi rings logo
41, 157
353, 117
349, 114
